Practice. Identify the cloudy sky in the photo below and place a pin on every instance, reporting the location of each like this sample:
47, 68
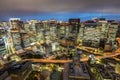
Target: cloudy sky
9, 8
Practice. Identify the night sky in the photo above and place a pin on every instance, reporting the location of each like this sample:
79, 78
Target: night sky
59, 9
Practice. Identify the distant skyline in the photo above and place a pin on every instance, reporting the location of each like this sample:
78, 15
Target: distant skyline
64, 16
59, 9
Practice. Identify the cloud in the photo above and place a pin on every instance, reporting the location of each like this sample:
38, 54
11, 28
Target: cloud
25, 7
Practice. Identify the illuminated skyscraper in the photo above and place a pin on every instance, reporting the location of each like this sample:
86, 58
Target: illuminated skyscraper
14, 23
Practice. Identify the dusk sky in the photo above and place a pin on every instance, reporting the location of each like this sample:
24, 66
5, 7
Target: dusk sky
59, 9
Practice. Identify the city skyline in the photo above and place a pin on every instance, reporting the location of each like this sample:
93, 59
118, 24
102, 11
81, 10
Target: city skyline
63, 16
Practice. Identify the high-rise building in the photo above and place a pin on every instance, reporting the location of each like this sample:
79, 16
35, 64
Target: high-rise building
16, 38
62, 29
74, 25
90, 34
16, 27
112, 31
14, 23
39, 31
53, 29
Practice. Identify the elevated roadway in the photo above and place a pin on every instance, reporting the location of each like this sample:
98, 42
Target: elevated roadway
106, 55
